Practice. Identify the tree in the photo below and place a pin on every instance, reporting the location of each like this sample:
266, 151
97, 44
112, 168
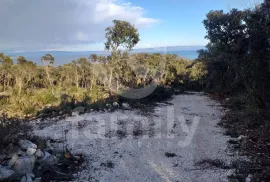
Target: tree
5, 70
122, 33
238, 57
48, 61
21, 60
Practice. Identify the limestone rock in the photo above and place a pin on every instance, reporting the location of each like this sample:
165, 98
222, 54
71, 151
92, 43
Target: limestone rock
39, 154
12, 161
25, 144
48, 144
241, 137
79, 110
248, 179
126, 105
115, 104
27, 178
5, 173
49, 159
37, 180
30, 151
24, 165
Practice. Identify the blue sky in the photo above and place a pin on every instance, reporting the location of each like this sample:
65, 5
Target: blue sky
180, 21
79, 25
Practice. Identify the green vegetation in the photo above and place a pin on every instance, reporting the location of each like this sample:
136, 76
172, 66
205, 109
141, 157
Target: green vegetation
238, 56
27, 89
237, 60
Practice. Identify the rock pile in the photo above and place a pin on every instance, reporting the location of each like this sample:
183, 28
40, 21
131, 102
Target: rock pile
21, 160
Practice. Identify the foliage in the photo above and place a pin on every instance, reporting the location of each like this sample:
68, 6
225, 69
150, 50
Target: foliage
121, 34
238, 55
25, 86
90, 82
237, 61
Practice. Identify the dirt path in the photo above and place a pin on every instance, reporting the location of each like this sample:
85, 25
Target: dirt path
163, 146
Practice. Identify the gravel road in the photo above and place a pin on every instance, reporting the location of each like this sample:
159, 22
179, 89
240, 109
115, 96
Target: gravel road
165, 145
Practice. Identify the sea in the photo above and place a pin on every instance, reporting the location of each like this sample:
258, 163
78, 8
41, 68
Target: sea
64, 57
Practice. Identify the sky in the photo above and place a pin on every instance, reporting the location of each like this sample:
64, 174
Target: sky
79, 25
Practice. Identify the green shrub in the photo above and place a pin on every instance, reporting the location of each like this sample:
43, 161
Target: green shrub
30, 111
45, 97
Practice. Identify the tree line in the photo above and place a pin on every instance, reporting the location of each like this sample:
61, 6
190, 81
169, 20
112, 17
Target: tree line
238, 55
27, 88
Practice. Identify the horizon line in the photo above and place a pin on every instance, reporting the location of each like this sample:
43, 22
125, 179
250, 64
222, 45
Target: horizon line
180, 46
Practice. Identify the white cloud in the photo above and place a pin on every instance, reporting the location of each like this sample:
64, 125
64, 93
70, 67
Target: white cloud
37, 25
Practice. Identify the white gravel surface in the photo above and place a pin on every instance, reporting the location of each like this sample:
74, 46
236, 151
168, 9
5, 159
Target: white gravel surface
126, 146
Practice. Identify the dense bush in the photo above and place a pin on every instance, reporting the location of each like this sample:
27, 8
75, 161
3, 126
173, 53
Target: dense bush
237, 60
238, 55
31, 88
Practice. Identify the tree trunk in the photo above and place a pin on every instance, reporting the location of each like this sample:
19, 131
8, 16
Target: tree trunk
77, 79
48, 75
110, 79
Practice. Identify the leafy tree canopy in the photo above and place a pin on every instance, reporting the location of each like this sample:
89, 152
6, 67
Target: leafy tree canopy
123, 34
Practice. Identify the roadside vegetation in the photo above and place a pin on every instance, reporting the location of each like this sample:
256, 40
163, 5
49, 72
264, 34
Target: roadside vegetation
27, 89
237, 60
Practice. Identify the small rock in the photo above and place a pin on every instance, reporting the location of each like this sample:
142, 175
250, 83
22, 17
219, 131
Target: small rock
30, 151
49, 159
75, 114
126, 105
32, 175
48, 143
227, 99
241, 137
6, 173
39, 154
37, 180
25, 144
13, 160
108, 105
231, 172
248, 179
46, 155
79, 110
23, 179
115, 104
27, 178
24, 165
61, 112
